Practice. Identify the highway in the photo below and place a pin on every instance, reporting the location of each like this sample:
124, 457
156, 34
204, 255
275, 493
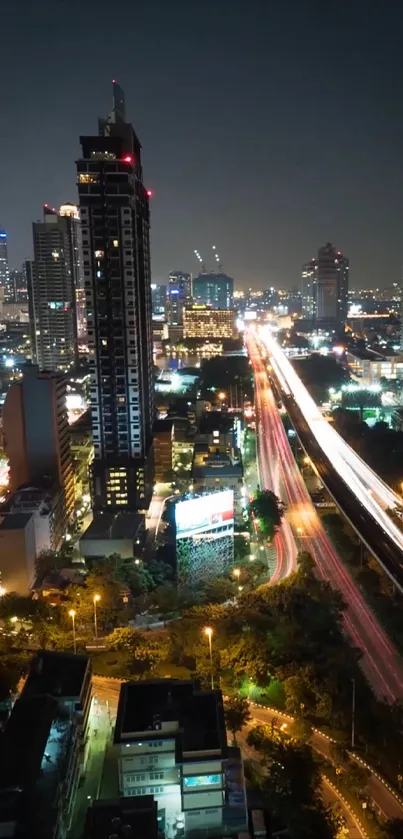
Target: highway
381, 663
358, 491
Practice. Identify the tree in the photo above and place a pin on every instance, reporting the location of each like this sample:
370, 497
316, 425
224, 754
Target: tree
355, 777
219, 590
267, 511
237, 714
143, 653
305, 564
393, 829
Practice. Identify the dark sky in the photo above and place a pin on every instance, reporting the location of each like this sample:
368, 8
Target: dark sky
268, 126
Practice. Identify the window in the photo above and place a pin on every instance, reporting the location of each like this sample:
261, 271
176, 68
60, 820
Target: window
88, 178
201, 780
115, 243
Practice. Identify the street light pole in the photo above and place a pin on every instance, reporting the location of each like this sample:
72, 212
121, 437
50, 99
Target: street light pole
353, 717
209, 632
73, 618
97, 597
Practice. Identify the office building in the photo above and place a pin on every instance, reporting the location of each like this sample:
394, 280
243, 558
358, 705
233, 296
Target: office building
179, 295
4, 268
44, 748
171, 743
54, 285
215, 290
330, 288
367, 367
158, 298
308, 290
201, 321
115, 217
36, 434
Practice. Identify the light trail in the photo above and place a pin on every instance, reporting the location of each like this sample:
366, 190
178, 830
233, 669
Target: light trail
367, 487
381, 663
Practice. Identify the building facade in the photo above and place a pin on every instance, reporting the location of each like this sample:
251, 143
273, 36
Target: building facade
4, 268
114, 207
325, 282
36, 434
158, 298
308, 290
179, 295
216, 290
201, 321
54, 284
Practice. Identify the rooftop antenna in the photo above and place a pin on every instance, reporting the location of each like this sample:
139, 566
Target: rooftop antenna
217, 258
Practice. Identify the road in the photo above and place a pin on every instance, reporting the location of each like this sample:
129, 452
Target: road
381, 663
358, 491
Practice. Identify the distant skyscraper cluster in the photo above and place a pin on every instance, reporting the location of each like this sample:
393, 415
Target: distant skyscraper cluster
325, 282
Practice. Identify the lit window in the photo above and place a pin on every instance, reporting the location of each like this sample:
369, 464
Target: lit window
99, 254
116, 243
55, 254
88, 178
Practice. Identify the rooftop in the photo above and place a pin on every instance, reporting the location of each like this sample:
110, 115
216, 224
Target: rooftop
56, 674
144, 706
113, 526
113, 817
23, 743
15, 521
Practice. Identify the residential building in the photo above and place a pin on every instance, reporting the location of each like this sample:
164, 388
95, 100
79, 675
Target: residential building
17, 552
36, 434
44, 748
115, 218
82, 453
171, 743
4, 267
163, 437
215, 290
179, 295
48, 506
201, 321
56, 289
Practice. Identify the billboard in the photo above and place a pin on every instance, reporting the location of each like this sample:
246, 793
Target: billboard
207, 513
204, 536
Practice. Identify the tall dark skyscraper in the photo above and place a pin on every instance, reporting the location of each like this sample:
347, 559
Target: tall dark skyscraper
114, 207
216, 290
325, 283
4, 269
56, 278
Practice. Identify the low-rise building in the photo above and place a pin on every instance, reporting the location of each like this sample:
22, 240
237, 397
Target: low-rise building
171, 743
206, 322
369, 366
214, 470
163, 437
114, 533
108, 818
183, 442
44, 748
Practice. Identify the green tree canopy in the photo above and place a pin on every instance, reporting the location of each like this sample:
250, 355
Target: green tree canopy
237, 714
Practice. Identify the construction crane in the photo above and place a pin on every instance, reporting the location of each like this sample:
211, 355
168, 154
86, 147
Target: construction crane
217, 258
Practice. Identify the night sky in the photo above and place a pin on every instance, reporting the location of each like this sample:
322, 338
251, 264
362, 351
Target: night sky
267, 127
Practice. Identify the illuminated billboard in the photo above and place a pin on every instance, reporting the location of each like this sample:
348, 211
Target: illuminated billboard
204, 536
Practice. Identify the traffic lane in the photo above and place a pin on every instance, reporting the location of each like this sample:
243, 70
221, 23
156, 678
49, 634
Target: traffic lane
389, 806
331, 796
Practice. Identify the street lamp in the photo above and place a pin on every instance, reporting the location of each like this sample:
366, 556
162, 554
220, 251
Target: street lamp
236, 572
97, 598
72, 614
209, 632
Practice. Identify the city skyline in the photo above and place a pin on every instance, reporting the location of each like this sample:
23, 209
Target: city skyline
321, 149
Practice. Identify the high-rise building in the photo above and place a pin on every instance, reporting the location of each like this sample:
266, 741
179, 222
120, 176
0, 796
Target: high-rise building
56, 276
308, 289
216, 290
4, 269
158, 297
36, 433
114, 207
331, 288
179, 294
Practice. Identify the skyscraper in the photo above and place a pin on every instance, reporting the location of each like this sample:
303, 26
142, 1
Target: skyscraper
114, 206
179, 294
309, 280
216, 290
325, 288
56, 276
4, 269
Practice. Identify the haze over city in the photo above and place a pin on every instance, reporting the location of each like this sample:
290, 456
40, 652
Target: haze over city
268, 128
